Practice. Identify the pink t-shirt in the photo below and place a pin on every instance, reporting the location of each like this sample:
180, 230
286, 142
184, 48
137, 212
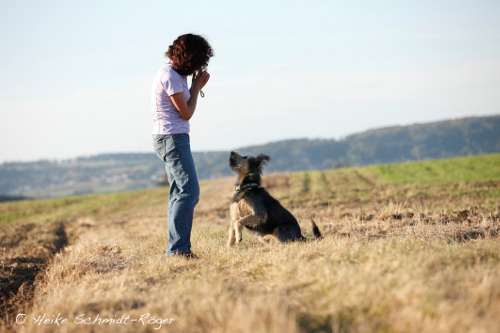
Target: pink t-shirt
166, 117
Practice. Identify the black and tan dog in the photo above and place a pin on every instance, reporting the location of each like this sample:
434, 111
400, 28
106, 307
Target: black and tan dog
254, 208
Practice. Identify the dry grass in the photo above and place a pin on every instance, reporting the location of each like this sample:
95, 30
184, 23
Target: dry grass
394, 258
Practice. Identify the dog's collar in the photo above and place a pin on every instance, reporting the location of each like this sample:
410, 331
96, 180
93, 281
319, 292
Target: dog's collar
245, 186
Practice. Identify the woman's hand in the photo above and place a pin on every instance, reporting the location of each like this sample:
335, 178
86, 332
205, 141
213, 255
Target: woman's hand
187, 108
199, 81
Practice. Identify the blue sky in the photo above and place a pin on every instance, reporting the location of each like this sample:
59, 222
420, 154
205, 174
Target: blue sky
75, 77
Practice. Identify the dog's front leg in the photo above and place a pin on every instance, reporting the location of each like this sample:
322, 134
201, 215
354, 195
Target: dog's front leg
235, 214
239, 224
232, 237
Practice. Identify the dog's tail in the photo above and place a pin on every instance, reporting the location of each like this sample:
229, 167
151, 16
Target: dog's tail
315, 229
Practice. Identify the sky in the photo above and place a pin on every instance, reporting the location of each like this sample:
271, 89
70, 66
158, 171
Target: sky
76, 76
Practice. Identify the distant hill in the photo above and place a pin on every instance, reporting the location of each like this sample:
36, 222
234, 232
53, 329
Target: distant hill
119, 172
451, 138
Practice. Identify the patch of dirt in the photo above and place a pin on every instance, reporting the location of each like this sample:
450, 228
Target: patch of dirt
26, 249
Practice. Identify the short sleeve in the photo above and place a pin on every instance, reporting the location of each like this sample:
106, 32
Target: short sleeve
173, 83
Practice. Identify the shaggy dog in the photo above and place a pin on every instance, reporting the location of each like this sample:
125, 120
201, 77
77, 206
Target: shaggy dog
254, 208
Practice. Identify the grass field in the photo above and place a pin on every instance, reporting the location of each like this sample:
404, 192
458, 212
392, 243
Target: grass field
411, 247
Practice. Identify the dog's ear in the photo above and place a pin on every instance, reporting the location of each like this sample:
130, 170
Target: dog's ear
262, 159
233, 153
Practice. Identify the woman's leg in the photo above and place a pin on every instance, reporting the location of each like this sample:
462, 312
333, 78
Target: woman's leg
184, 192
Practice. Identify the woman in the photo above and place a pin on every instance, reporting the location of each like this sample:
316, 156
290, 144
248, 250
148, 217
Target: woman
173, 104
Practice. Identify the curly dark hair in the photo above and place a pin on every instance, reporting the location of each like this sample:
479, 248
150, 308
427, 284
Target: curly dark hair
189, 53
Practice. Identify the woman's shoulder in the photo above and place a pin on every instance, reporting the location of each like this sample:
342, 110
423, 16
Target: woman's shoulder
170, 79
169, 73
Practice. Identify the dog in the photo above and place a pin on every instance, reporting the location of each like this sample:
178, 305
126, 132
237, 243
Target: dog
254, 208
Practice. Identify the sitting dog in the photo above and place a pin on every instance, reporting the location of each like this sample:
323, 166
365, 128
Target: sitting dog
254, 208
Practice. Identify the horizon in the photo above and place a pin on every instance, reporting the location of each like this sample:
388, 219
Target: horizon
74, 158
76, 77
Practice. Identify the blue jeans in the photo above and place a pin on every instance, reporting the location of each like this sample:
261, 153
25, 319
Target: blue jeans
175, 151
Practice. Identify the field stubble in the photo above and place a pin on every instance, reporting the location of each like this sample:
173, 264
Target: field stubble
406, 258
